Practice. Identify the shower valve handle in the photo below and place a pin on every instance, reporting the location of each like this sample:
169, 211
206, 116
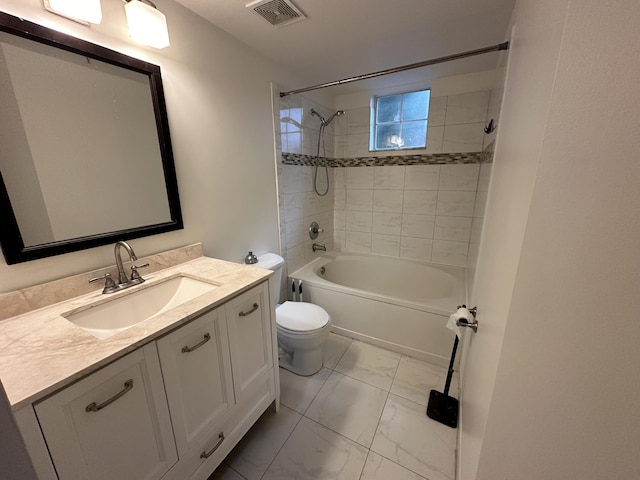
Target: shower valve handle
314, 230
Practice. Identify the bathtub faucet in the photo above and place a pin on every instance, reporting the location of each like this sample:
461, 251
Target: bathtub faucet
319, 246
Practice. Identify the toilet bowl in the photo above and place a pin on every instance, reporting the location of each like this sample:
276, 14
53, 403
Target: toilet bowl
302, 327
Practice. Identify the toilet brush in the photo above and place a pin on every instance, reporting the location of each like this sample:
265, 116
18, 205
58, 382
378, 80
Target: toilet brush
441, 407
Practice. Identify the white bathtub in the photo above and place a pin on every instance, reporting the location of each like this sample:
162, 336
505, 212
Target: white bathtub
398, 304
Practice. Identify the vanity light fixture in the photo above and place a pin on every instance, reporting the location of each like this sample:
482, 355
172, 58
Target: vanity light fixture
81, 11
147, 24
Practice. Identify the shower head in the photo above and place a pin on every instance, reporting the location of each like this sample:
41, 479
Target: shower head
313, 112
328, 120
337, 114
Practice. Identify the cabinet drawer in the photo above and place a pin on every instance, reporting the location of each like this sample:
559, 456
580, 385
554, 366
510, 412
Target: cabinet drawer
208, 452
197, 373
211, 450
113, 424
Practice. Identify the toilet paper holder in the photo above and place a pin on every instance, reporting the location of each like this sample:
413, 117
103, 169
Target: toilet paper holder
461, 322
442, 407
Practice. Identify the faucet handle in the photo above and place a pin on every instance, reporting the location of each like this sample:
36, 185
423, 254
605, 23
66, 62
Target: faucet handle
135, 275
109, 284
314, 230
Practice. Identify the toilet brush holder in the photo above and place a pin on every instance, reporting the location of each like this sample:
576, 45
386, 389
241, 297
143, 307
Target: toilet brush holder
441, 407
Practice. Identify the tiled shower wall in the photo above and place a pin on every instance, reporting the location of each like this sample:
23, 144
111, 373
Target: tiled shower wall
456, 124
297, 131
300, 206
421, 212
425, 210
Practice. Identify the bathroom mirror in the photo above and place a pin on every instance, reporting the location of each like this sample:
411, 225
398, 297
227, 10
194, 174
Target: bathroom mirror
85, 151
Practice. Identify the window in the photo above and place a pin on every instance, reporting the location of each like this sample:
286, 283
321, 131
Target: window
400, 121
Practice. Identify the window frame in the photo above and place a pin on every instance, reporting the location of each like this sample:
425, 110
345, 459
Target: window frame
373, 132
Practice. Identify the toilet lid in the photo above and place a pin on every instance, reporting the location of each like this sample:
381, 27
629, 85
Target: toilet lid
301, 316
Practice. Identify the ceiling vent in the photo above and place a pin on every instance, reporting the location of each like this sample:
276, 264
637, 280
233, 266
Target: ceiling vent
277, 12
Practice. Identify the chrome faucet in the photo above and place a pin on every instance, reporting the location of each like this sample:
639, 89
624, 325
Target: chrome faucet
122, 276
123, 282
319, 246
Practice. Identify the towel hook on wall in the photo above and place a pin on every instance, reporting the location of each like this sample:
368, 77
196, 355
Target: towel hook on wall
491, 127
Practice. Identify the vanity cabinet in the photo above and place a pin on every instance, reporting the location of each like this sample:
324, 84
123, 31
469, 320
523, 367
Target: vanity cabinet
112, 424
174, 408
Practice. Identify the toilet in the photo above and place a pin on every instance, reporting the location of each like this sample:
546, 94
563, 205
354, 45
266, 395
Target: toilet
302, 327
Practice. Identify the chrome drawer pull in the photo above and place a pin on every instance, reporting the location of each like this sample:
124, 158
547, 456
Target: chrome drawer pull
94, 407
244, 314
207, 337
215, 447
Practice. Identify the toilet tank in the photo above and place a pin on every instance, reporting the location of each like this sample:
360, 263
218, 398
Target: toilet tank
272, 261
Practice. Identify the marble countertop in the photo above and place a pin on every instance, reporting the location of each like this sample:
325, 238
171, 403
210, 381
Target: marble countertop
41, 352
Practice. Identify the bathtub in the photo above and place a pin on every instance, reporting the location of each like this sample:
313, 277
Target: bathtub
398, 304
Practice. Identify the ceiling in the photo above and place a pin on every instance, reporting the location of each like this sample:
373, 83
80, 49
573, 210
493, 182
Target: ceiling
346, 38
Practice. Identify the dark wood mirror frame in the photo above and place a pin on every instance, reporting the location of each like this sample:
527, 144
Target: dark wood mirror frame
11, 240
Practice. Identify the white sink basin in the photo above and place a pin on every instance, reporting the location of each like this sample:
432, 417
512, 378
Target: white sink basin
106, 319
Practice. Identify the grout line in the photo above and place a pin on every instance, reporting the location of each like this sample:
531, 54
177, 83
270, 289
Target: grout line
401, 466
343, 353
364, 465
364, 381
283, 444
368, 449
318, 392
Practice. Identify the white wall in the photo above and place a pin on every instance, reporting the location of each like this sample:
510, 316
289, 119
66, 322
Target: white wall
529, 82
565, 398
219, 106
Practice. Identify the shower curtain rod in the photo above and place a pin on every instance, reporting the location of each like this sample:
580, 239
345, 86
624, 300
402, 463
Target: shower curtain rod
434, 61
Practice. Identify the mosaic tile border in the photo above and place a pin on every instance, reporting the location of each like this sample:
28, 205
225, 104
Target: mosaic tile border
417, 159
307, 160
489, 151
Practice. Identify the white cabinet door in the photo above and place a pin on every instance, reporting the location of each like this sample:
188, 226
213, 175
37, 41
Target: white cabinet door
197, 372
113, 424
249, 322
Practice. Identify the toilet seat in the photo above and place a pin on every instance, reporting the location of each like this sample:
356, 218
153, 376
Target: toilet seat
301, 317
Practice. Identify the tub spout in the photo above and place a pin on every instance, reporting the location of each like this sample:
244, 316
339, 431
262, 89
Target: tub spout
319, 246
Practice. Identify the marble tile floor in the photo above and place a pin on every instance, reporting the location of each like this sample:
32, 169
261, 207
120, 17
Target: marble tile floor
362, 417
